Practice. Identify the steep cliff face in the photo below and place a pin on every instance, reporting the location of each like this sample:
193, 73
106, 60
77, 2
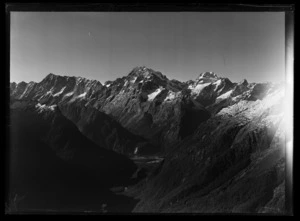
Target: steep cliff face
234, 162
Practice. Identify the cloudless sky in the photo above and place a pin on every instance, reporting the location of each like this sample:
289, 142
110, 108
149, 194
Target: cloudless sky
107, 45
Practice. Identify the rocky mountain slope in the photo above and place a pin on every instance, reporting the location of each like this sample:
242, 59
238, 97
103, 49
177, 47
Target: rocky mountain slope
223, 142
234, 162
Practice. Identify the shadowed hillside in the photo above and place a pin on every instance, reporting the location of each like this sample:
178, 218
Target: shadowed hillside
53, 166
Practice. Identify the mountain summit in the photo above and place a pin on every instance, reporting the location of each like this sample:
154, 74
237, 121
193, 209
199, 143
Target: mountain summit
208, 75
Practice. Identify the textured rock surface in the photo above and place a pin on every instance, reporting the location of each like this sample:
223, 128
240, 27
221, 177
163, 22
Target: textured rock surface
234, 162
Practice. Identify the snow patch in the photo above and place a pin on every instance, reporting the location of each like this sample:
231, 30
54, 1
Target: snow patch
217, 83
224, 96
197, 90
237, 98
26, 89
154, 94
208, 75
69, 94
171, 96
121, 92
190, 87
60, 92
78, 80
48, 92
133, 80
42, 108
81, 95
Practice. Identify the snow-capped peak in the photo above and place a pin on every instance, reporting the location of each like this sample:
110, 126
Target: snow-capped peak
146, 73
208, 75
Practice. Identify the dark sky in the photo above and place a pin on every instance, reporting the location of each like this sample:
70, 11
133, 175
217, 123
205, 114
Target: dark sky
105, 45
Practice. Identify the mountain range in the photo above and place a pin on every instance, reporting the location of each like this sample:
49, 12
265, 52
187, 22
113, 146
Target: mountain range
222, 141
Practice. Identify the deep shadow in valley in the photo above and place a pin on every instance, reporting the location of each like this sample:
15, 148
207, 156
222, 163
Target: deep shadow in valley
67, 179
